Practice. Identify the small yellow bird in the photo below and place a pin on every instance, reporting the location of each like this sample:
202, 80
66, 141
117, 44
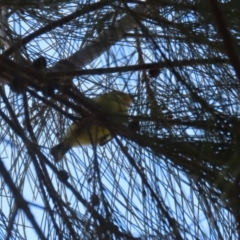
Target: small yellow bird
85, 133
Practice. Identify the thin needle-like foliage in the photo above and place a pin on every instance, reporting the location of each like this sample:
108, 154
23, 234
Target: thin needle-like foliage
173, 171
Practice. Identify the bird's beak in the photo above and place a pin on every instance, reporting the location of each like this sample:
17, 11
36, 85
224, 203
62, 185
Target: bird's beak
133, 97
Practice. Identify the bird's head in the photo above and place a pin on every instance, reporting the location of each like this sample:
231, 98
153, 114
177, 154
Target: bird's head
127, 98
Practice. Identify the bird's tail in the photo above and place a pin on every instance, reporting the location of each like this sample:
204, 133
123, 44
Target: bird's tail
59, 151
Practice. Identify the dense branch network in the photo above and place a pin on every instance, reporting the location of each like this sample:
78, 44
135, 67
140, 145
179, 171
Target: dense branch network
183, 136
